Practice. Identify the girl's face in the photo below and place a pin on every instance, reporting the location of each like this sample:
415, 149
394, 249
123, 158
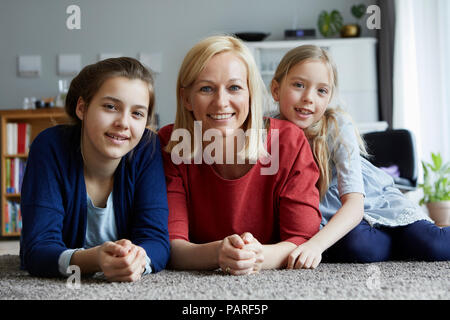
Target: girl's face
115, 120
304, 93
220, 96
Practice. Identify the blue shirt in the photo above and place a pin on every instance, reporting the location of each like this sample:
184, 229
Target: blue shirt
54, 206
101, 227
384, 204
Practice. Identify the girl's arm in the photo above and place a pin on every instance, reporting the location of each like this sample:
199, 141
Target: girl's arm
309, 254
347, 160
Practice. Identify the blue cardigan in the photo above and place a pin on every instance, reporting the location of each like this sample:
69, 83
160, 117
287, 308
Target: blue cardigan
53, 201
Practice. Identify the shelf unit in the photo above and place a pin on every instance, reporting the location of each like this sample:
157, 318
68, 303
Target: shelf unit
356, 61
39, 119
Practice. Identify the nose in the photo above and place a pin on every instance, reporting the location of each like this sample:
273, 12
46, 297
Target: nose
221, 98
121, 121
307, 96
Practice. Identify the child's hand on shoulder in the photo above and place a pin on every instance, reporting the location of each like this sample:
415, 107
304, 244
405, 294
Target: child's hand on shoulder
306, 256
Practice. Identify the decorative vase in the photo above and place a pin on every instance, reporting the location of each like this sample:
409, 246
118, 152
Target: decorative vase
350, 31
439, 212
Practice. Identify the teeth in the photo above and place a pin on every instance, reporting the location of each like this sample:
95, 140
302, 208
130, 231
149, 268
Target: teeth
114, 137
303, 111
221, 116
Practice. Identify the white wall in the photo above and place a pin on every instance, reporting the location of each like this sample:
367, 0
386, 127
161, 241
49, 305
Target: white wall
170, 27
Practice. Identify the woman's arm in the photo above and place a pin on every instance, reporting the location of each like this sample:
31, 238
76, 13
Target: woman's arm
228, 254
309, 254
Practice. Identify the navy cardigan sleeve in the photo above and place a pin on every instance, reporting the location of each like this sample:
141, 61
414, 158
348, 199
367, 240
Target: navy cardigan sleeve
42, 207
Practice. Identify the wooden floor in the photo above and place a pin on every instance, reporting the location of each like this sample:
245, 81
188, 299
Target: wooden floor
9, 247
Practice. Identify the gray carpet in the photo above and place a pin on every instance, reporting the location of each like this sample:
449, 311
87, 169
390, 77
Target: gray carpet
386, 280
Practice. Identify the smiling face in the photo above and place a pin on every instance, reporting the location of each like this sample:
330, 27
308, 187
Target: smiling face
219, 97
115, 119
304, 93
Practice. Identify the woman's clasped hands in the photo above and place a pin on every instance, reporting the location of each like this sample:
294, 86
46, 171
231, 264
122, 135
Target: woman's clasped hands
241, 255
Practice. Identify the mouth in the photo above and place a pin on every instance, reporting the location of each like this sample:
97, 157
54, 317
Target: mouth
303, 111
117, 137
221, 116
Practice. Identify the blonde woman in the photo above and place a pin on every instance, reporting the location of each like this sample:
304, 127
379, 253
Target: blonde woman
365, 218
232, 213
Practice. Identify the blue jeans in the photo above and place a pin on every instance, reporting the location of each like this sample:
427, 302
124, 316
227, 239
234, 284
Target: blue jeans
421, 240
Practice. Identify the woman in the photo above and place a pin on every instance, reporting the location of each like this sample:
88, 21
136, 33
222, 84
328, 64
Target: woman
227, 209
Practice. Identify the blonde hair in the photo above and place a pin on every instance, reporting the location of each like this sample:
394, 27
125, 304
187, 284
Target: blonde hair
193, 64
317, 133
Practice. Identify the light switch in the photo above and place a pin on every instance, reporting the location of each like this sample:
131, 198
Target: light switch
29, 66
69, 64
152, 61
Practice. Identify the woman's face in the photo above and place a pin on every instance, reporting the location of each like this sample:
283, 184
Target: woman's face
304, 93
219, 97
115, 120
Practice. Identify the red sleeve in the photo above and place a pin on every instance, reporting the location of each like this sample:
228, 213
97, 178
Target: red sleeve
176, 192
299, 198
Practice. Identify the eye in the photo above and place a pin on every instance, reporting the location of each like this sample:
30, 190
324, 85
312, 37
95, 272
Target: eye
206, 89
138, 114
298, 85
323, 91
110, 106
235, 87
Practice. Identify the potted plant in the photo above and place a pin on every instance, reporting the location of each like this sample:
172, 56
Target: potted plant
436, 189
354, 29
329, 24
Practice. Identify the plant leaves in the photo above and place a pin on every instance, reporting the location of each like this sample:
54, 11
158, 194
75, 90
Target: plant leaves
336, 21
330, 24
436, 185
323, 23
358, 10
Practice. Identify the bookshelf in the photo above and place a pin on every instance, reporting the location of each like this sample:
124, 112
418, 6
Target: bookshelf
37, 120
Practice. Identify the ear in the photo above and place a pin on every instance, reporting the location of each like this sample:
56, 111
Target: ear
184, 94
81, 108
275, 89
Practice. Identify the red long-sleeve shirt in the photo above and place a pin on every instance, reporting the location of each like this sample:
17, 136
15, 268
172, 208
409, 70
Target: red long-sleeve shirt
204, 207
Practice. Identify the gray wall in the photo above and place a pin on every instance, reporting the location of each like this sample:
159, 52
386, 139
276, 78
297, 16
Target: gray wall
170, 27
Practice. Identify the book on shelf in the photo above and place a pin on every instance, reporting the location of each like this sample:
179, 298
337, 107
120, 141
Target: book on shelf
15, 169
17, 137
13, 217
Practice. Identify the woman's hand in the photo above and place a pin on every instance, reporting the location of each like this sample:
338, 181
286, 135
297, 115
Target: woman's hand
234, 258
122, 260
306, 256
252, 244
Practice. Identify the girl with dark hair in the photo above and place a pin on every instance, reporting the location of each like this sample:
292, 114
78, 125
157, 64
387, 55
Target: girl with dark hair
93, 193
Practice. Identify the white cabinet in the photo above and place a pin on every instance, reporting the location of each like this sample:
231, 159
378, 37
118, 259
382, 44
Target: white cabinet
356, 62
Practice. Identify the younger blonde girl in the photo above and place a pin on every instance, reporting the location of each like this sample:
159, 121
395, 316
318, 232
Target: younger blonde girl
364, 217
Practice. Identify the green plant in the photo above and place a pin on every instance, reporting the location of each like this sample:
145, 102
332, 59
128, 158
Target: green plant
436, 176
330, 23
358, 11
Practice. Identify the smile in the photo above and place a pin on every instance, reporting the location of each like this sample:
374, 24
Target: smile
117, 137
304, 111
221, 116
